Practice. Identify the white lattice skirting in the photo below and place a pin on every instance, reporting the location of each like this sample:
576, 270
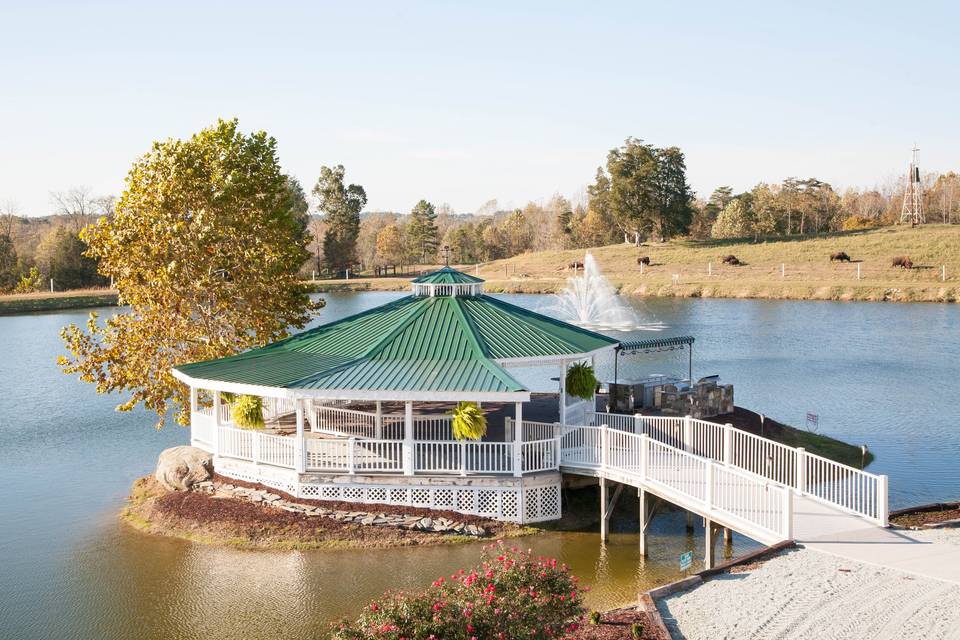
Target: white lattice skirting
521, 504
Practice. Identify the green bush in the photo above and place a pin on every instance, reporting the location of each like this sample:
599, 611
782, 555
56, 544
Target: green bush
469, 421
580, 381
636, 631
509, 595
596, 617
247, 412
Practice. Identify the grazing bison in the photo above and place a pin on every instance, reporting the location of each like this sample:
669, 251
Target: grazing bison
839, 256
644, 260
732, 260
903, 262
576, 264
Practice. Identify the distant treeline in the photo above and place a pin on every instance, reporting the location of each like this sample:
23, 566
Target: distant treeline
639, 193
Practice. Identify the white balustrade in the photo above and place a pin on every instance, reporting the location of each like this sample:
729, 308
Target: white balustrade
539, 455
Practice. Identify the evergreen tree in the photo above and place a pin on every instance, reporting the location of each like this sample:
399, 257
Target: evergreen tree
341, 206
9, 273
422, 231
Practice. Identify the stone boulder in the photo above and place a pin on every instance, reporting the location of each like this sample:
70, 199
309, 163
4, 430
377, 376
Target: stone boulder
179, 468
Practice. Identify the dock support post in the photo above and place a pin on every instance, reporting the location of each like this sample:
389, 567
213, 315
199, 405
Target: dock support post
727, 535
689, 520
709, 558
642, 495
604, 522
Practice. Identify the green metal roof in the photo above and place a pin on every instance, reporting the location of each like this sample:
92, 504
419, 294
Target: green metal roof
446, 275
442, 343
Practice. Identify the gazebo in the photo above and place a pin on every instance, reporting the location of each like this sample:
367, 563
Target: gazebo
355, 410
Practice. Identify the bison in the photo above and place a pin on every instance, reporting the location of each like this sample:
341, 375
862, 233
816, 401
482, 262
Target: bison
839, 256
732, 260
903, 262
576, 265
644, 260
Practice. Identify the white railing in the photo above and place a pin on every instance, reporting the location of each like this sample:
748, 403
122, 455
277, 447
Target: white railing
346, 422
759, 508
235, 443
463, 457
430, 427
276, 450
540, 455
532, 430
203, 430
831, 482
225, 410
276, 407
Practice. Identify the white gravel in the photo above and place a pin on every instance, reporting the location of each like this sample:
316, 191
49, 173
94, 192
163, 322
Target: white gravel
807, 594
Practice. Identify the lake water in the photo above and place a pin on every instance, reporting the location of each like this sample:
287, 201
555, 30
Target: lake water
881, 374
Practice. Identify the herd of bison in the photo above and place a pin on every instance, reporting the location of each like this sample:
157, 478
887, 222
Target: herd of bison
903, 262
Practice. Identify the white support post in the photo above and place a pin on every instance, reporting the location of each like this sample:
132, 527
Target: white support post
216, 423
193, 413
604, 521
642, 495
255, 446
193, 399
638, 424
563, 392
300, 452
801, 476
378, 428
787, 525
687, 433
518, 441
709, 543
558, 443
708, 486
883, 496
728, 444
462, 446
351, 455
408, 446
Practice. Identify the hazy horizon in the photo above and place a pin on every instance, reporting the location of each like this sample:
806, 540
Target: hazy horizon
461, 105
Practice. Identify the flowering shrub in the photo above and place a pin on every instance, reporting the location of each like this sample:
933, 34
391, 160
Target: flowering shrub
510, 595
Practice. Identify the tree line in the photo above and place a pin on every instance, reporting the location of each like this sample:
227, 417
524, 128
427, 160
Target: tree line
639, 193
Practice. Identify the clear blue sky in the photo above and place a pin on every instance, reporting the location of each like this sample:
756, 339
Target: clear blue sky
461, 104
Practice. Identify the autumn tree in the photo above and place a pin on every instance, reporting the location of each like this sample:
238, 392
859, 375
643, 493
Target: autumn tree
341, 206
733, 222
204, 248
9, 272
390, 246
422, 232
61, 258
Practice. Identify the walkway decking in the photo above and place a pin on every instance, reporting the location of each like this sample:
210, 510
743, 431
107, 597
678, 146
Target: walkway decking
819, 527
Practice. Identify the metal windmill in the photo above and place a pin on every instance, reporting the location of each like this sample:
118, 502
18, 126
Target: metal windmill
912, 209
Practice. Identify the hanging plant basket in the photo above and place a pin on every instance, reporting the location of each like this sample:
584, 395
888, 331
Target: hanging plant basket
580, 381
469, 421
247, 412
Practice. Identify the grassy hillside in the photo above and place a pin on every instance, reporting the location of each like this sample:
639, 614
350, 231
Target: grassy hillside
807, 270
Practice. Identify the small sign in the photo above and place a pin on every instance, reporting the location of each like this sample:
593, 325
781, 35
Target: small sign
813, 421
686, 559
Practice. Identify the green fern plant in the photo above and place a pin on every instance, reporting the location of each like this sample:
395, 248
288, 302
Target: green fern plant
469, 421
247, 412
580, 381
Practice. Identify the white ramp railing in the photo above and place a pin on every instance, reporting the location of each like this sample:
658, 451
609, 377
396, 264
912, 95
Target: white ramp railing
755, 506
852, 490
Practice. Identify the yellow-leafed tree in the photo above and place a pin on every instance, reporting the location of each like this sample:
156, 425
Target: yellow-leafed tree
204, 247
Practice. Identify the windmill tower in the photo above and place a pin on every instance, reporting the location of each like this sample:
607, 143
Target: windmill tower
912, 209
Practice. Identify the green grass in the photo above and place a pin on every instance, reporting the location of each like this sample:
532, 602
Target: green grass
80, 299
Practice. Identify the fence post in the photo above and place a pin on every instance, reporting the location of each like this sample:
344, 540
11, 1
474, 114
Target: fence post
883, 509
300, 443
801, 475
351, 447
216, 423
787, 523
463, 457
708, 489
255, 446
638, 425
728, 444
558, 442
644, 455
603, 446
687, 433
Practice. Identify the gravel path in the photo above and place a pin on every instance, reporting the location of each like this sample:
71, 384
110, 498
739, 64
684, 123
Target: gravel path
808, 594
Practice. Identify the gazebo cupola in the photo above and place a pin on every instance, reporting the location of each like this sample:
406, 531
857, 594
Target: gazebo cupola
447, 282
